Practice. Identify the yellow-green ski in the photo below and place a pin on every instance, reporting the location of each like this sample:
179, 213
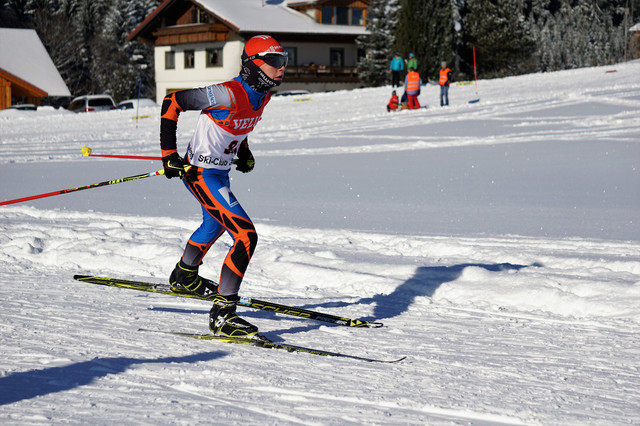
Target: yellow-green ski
244, 301
263, 342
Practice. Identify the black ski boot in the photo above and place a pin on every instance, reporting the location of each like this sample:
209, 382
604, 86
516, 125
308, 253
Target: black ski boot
185, 279
223, 320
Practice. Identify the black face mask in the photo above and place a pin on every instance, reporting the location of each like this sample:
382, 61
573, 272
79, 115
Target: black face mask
255, 77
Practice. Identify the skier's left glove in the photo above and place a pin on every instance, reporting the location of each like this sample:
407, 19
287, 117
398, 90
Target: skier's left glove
245, 162
173, 165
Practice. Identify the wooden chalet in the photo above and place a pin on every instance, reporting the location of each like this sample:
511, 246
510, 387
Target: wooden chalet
27, 73
197, 43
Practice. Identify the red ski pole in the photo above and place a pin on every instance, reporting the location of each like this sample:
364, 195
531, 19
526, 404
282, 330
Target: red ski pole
86, 152
80, 188
475, 77
475, 73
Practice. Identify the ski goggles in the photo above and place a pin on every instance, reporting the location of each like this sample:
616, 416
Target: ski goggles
275, 59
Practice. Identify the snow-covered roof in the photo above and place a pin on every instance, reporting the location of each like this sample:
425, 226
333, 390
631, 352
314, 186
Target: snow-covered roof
271, 17
23, 55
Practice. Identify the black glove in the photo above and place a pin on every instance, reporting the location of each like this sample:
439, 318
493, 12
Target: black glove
173, 166
245, 160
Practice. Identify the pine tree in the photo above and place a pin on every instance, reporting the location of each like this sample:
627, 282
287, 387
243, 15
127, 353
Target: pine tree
129, 62
498, 30
458, 6
377, 45
426, 28
593, 40
577, 33
141, 54
86, 40
15, 13
53, 22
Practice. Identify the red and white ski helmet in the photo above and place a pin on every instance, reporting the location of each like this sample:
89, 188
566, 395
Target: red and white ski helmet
257, 51
262, 44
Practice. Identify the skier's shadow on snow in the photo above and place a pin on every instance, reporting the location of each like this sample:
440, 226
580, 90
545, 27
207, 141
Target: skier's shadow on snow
424, 282
30, 384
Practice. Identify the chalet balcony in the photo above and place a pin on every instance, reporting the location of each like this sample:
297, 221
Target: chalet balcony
321, 74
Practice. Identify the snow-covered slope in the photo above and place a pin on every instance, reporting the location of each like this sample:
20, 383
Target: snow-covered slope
498, 242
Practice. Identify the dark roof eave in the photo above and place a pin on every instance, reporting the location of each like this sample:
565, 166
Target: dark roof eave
137, 32
224, 21
284, 36
14, 79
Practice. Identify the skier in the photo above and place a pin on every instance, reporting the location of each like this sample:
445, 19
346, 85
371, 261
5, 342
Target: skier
230, 111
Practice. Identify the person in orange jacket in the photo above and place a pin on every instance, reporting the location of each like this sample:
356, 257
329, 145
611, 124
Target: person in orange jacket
444, 81
412, 83
393, 102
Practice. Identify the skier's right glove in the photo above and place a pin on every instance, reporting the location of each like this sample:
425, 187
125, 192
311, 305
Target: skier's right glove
245, 162
173, 166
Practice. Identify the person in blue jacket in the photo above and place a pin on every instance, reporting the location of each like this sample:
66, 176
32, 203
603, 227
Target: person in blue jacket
396, 67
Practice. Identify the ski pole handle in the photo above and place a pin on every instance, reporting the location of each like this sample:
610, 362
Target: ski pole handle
80, 188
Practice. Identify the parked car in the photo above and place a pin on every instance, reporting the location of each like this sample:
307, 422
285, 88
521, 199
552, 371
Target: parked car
293, 92
24, 107
133, 103
88, 103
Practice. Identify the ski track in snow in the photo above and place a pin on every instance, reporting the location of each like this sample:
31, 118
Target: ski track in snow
498, 328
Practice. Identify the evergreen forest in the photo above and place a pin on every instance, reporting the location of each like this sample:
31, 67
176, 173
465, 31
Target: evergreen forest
510, 37
86, 39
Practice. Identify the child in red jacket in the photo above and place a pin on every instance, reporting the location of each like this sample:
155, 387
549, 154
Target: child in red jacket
393, 102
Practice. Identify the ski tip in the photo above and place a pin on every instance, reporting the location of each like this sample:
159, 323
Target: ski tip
360, 323
389, 361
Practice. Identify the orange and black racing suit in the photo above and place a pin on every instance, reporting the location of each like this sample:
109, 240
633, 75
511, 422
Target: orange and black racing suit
229, 112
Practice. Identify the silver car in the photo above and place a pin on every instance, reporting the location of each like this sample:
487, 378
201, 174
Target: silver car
89, 103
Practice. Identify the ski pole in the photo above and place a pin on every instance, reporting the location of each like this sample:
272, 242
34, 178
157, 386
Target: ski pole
80, 188
86, 152
475, 72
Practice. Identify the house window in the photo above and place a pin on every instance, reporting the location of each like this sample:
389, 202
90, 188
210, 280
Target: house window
356, 16
327, 15
342, 15
292, 55
199, 16
336, 57
214, 57
170, 60
189, 59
